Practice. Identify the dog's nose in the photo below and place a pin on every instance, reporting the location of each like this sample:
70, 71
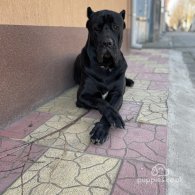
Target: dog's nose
108, 43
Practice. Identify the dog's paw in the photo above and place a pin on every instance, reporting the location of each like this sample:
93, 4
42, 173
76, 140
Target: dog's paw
114, 118
129, 82
99, 134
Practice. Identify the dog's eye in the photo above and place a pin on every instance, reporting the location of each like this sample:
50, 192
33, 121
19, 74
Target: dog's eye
97, 28
115, 27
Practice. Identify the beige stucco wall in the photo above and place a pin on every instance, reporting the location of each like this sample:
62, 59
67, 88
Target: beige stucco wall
39, 41
69, 13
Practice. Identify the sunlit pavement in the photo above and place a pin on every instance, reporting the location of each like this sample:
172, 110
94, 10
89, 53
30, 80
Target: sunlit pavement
49, 151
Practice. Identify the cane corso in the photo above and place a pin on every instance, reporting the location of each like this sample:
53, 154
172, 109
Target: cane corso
100, 71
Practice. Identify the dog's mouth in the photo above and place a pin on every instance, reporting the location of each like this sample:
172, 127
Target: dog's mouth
107, 60
105, 57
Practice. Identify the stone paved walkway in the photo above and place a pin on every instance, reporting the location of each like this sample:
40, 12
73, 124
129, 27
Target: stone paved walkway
39, 156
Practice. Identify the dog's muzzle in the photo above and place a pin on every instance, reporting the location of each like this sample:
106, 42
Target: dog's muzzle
108, 43
106, 51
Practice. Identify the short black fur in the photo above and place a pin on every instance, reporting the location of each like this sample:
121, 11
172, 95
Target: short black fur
100, 69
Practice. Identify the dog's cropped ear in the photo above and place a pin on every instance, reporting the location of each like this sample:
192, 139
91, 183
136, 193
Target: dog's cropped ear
89, 12
122, 13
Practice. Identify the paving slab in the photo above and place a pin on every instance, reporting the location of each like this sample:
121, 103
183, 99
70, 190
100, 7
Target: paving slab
64, 172
153, 113
152, 76
141, 84
131, 75
63, 105
145, 96
137, 141
137, 178
137, 68
25, 125
157, 85
15, 158
161, 70
75, 137
154, 108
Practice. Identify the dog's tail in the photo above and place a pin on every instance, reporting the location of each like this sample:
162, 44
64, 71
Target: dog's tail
129, 82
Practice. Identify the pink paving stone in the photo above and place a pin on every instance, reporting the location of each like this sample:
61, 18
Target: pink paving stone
153, 77
132, 62
148, 126
128, 170
132, 186
161, 133
135, 64
154, 57
163, 61
134, 142
134, 52
146, 54
158, 147
14, 155
119, 191
132, 154
142, 53
128, 111
137, 69
94, 114
147, 152
134, 178
135, 169
26, 125
138, 135
155, 85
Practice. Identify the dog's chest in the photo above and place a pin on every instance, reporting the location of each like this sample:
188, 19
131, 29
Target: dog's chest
105, 80
104, 90
105, 95
106, 68
105, 84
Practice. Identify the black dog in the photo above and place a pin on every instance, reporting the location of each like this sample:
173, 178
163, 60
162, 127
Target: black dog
100, 69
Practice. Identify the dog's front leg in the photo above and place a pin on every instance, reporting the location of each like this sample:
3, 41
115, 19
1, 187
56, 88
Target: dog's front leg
89, 97
100, 132
105, 108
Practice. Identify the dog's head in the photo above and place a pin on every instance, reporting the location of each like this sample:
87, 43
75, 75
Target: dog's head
106, 33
